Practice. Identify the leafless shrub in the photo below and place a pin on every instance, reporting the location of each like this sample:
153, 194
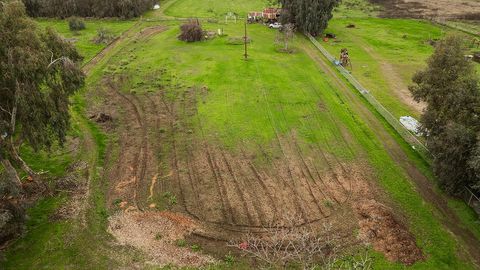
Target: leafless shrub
104, 36
284, 245
284, 38
191, 31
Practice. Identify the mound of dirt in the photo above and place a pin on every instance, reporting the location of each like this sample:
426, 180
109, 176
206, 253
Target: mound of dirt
445, 9
156, 233
101, 118
379, 227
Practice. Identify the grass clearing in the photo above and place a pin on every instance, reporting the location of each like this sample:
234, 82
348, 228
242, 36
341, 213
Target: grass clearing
83, 39
213, 8
385, 54
250, 100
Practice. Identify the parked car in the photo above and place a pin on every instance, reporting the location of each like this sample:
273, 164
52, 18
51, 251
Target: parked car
275, 25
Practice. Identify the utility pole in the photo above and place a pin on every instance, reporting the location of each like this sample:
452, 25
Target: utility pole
245, 41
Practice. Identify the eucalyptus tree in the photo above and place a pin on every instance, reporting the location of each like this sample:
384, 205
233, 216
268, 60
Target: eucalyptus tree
451, 122
310, 16
38, 73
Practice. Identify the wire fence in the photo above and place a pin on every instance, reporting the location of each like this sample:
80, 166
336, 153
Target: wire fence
454, 25
472, 200
408, 136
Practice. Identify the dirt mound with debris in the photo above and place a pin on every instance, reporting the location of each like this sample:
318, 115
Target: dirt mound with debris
444, 9
379, 226
156, 233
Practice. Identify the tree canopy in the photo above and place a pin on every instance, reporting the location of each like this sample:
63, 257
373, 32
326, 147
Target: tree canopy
451, 123
310, 16
38, 73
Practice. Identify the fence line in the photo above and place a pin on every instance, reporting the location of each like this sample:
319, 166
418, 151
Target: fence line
450, 24
409, 137
472, 200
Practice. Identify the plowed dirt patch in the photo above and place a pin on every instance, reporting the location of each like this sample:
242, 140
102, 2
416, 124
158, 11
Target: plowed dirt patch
379, 227
224, 193
446, 9
155, 234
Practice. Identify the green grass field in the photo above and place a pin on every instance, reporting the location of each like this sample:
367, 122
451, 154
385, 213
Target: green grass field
249, 103
279, 92
213, 8
87, 48
385, 54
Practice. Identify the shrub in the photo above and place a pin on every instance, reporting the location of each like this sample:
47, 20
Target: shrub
76, 24
196, 248
104, 36
181, 243
191, 31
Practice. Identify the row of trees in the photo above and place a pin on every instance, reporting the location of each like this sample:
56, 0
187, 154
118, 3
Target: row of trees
88, 8
451, 122
38, 73
308, 16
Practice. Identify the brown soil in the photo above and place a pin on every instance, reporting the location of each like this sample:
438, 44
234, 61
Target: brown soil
379, 226
431, 9
156, 234
149, 32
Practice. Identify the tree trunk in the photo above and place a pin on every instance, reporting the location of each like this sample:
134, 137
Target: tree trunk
12, 176
20, 161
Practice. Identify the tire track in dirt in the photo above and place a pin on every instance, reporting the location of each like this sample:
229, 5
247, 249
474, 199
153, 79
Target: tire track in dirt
143, 151
188, 110
87, 67
313, 112
255, 198
226, 207
300, 203
313, 179
340, 135
292, 142
263, 186
238, 189
140, 160
338, 197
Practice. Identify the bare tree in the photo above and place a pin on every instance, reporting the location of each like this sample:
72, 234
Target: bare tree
285, 36
283, 245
